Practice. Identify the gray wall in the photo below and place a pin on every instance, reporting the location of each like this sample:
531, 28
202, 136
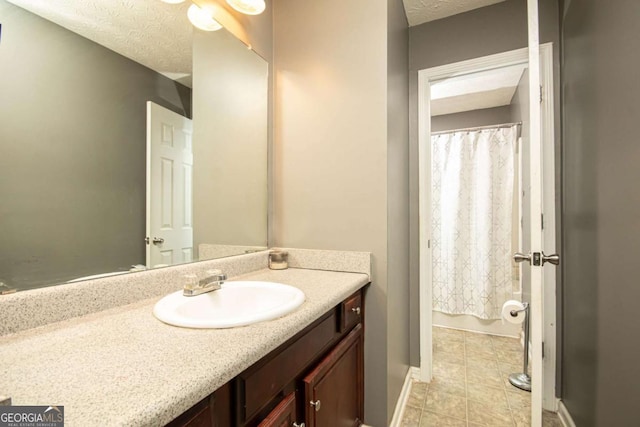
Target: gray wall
465, 119
339, 150
72, 135
494, 29
398, 201
600, 212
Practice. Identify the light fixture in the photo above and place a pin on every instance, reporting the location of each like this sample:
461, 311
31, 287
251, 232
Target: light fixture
202, 19
248, 7
173, 1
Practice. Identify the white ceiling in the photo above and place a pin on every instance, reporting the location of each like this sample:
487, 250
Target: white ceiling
486, 89
421, 11
156, 34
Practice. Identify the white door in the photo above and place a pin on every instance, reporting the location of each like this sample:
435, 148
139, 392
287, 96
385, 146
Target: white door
534, 251
538, 227
169, 187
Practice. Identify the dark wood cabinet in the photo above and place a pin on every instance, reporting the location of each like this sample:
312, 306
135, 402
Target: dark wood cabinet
333, 391
258, 387
315, 378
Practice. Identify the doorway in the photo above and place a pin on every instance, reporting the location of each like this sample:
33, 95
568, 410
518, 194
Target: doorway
466, 70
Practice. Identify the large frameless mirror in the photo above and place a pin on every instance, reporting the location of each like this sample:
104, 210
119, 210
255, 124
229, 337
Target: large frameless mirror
130, 140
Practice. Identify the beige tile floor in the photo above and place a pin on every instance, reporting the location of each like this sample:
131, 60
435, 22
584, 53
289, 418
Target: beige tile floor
470, 386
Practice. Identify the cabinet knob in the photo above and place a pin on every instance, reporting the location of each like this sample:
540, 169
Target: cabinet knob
298, 425
356, 310
316, 404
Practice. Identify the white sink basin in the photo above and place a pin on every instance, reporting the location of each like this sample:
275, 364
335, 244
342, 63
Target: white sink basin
236, 304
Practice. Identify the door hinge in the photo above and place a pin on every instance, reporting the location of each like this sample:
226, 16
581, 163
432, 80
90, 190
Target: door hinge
429, 243
543, 349
541, 98
542, 221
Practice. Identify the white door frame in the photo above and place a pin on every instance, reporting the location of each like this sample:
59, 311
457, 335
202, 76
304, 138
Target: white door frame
425, 77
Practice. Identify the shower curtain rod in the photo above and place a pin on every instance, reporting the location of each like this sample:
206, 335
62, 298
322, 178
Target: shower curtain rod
504, 125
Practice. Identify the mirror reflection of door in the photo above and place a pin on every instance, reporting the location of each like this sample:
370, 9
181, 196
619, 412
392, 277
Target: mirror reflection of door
169, 187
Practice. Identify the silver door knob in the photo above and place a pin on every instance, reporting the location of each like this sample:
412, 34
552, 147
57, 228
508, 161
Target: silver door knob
518, 257
158, 240
298, 425
316, 404
356, 310
553, 259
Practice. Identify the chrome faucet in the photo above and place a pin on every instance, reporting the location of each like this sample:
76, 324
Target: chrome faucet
212, 282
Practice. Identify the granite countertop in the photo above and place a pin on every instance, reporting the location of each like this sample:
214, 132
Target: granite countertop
124, 367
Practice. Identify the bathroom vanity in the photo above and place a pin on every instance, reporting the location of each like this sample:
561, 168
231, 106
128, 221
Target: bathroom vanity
315, 378
122, 366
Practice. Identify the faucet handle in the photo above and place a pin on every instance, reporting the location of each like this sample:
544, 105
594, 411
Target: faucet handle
212, 282
216, 274
190, 282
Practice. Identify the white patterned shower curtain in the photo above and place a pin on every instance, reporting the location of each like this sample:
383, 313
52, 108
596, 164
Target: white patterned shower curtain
472, 202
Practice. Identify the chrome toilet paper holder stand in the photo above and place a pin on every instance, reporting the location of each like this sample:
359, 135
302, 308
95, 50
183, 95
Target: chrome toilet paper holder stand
522, 380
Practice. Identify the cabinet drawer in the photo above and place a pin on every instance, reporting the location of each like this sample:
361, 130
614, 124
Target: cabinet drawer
352, 312
260, 384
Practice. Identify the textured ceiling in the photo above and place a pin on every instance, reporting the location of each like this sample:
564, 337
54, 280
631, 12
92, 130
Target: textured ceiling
158, 35
155, 34
421, 11
486, 89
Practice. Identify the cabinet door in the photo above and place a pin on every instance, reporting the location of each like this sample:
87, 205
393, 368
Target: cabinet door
334, 390
284, 415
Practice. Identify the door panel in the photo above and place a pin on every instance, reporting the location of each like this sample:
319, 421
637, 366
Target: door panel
334, 389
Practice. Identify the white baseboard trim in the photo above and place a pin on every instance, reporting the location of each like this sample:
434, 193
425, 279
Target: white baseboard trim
565, 416
413, 374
